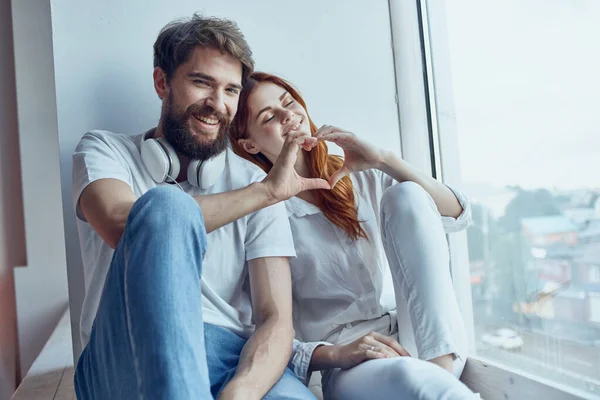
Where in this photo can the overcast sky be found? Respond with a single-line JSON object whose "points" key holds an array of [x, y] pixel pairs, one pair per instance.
{"points": [[526, 77]]}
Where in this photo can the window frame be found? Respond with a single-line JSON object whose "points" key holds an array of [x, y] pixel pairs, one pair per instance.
{"points": [[429, 141], [419, 104]]}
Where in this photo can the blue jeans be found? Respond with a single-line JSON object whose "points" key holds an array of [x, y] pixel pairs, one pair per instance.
{"points": [[148, 338], [223, 354]]}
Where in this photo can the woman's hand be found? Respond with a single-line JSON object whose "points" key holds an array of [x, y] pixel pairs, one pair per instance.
{"points": [[358, 154], [369, 347]]}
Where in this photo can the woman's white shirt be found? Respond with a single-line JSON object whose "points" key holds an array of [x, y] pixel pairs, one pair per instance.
{"points": [[338, 281]]}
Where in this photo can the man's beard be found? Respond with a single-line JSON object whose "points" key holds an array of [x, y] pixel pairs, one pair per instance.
{"points": [[177, 131]]}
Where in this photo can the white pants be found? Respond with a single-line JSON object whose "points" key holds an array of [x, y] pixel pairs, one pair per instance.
{"points": [[428, 321]]}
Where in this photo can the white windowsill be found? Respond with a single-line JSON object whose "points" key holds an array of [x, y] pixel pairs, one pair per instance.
{"points": [[498, 382]]}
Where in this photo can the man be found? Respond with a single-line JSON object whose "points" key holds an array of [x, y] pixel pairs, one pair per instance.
{"points": [[172, 312]]}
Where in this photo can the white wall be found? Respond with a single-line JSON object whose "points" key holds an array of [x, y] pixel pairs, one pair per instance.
{"points": [[41, 286], [338, 53]]}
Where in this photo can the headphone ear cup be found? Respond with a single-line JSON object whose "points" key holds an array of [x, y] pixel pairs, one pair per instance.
{"points": [[193, 172], [175, 167], [206, 173], [160, 160]]}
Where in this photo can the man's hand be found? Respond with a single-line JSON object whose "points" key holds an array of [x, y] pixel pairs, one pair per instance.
{"points": [[358, 154], [369, 347], [282, 181]]}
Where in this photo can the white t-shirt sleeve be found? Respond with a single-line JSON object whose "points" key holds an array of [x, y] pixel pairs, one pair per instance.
{"points": [[96, 157], [268, 232]]}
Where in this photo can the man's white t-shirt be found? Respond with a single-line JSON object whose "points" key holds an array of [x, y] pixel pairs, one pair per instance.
{"points": [[225, 286]]}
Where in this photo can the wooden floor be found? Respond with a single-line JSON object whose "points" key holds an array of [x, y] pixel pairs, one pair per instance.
{"points": [[51, 375]]}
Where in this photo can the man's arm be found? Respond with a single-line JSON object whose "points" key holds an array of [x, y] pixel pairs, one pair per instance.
{"points": [[106, 203], [267, 352]]}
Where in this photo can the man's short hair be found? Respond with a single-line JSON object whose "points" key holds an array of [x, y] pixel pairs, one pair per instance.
{"points": [[178, 39]]}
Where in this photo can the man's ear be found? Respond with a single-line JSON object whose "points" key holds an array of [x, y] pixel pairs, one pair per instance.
{"points": [[249, 146], [160, 83]]}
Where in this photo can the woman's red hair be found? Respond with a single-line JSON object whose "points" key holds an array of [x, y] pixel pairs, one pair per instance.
{"points": [[337, 204]]}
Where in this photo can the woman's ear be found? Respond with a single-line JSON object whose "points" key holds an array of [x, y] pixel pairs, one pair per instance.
{"points": [[249, 146]]}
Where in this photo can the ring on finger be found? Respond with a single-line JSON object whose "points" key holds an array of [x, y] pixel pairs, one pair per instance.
{"points": [[372, 348]]}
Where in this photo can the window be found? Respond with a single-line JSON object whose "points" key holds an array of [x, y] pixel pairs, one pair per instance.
{"points": [[524, 83]]}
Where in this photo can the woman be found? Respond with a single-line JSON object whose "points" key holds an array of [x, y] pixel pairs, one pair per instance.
{"points": [[377, 232]]}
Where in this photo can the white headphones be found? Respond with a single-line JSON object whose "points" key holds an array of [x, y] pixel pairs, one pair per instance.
{"points": [[162, 162]]}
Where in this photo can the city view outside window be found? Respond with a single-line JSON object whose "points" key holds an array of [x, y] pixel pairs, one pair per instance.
{"points": [[526, 85]]}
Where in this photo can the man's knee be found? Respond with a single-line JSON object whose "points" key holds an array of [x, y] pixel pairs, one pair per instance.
{"points": [[164, 207]]}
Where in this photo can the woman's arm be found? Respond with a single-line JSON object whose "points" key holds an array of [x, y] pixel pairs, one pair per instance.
{"points": [[360, 155]]}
